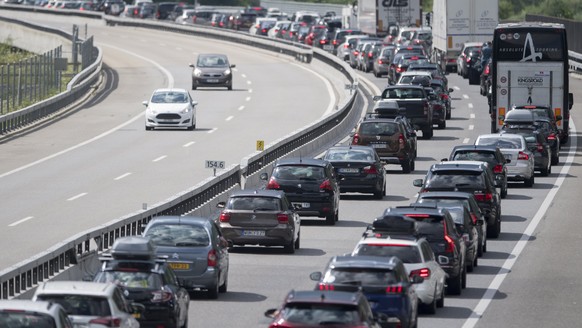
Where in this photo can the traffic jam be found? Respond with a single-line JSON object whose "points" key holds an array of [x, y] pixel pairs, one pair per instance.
{"points": [[409, 260]]}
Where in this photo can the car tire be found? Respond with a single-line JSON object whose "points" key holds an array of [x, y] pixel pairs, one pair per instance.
{"points": [[448, 115], [476, 262], [289, 248], [191, 127], [485, 246], [546, 171], [406, 167], [441, 301], [376, 74], [443, 125], [480, 248], [330, 219], [530, 182], [431, 307], [224, 287], [464, 278], [379, 194], [149, 128], [503, 193], [556, 159], [229, 87], [298, 241], [185, 325], [470, 266], [455, 285], [427, 133], [212, 292]]}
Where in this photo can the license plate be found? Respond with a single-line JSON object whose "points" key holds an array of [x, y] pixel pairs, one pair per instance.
{"points": [[302, 205], [180, 266], [348, 170], [328, 47], [136, 315], [383, 145], [507, 156], [259, 233], [212, 80]]}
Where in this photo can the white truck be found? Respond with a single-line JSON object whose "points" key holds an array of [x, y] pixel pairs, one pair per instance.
{"points": [[380, 17], [455, 22]]}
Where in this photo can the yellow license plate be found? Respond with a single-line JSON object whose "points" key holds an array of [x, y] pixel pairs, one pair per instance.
{"points": [[137, 315], [180, 266]]}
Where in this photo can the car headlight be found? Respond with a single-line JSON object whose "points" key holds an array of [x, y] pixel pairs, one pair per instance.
{"points": [[185, 110], [227, 71], [152, 111], [197, 72]]}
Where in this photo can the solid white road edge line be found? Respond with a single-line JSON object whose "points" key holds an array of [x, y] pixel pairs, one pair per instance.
{"points": [[512, 258], [20, 221]]}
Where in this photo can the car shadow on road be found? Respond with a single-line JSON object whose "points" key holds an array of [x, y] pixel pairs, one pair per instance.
{"points": [[512, 236], [492, 255], [342, 223], [477, 293], [458, 118], [278, 251], [511, 196], [449, 312], [229, 296], [446, 138], [513, 218], [220, 89]]}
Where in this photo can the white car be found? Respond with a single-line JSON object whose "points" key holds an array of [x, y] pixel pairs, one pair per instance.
{"points": [[31, 314], [91, 304], [418, 259], [520, 165], [278, 26], [170, 108]]}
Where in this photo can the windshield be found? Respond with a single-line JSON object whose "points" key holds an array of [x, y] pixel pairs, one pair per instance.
{"points": [[169, 97], [131, 279], [473, 155], [213, 61], [315, 314], [455, 179], [253, 203], [184, 235], [501, 143]]}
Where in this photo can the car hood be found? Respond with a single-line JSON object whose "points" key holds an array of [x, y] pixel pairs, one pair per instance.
{"points": [[167, 108]]}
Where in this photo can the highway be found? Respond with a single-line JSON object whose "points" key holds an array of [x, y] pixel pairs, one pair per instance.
{"points": [[528, 278]]}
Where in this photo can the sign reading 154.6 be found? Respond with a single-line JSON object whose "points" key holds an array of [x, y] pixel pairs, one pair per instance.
{"points": [[215, 164], [394, 3]]}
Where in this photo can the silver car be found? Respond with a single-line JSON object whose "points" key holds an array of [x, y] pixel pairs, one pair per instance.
{"points": [[170, 108], [520, 166], [212, 70], [33, 314], [196, 250]]}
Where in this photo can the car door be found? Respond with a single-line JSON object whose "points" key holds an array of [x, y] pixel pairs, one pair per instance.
{"points": [[182, 296]]}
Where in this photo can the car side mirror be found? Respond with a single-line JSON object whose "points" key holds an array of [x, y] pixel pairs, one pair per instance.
{"points": [[451, 89], [145, 103], [375, 98], [444, 159], [221, 204], [270, 313], [558, 118], [315, 276], [232, 66], [264, 176], [417, 182], [191, 65], [194, 103]]}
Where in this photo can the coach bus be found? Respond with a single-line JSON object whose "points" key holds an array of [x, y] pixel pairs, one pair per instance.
{"points": [[530, 67]]}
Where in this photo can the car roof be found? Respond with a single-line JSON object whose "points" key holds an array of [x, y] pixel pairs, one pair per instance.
{"points": [[302, 161], [501, 135], [27, 305], [171, 90], [365, 261], [459, 165], [320, 296], [475, 147], [352, 147], [176, 219], [524, 115], [416, 73], [473, 44], [430, 209], [258, 192], [76, 288], [387, 239]]}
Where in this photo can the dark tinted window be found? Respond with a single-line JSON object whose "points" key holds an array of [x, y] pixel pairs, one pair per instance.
{"points": [[501, 143], [408, 254], [80, 304], [349, 155], [26, 320], [131, 279], [299, 172], [378, 128], [361, 276], [315, 313], [430, 227], [178, 235], [254, 203], [475, 155], [455, 178]]}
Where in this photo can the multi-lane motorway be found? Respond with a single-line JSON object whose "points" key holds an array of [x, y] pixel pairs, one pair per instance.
{"points": [[98, 164]]}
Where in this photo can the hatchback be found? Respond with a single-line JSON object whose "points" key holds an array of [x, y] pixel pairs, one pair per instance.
{"points": [[383, 60], [170, 108], [359, 169], [33, 314], [196, 249], [212, 70], [260, 217]]}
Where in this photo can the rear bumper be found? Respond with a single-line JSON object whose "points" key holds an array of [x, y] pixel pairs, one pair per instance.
{"points": [[279, 236]]}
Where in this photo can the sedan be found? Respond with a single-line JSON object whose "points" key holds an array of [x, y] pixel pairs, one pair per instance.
{"points": [[359, 169], [212, 70], [260, 217], [170, 108], [196, 250]]}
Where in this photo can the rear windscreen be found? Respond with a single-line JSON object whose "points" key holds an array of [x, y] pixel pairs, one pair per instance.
{"points": [[455, 179], [432, 228], [378, 128], [185, 235], [299, 172], [408, 254], [474, 155], [316, 313], [349, 155], [247, 203], [80, 304], [23, 319], [360, 277], [501, 143]]}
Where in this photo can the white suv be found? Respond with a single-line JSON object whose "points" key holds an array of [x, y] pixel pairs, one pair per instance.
{"points": [[418, 259], [92, 304], [30, 314]]}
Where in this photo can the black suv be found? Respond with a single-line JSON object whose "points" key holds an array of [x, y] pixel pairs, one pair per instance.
{"points": [[438, 227], [145, 278], [489, 154], [384, 281], [310, 184], [468, 176], [394, 139]]}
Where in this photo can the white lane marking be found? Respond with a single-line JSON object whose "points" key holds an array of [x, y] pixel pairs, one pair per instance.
{"points": [[470, 105], [77, 196], [466, 140], [102, 135], [189, 144], [466, 96], [159, 158], [250, 90], [471, 127], [330, 92], [471, 115], [229, 118], [213, 129], [248, 99], [456, 88], [519, 247], [241, 108], [123, 176], [243, 75], [249, 82], [20, 221]]}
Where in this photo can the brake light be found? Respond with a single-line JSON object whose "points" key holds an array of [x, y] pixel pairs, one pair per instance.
{"points": [[323, 286], [224, 217], [370, 55], [401, 140], [346, 46], [380, 61], [159, 296], [283, 218], [325, 186], [211, 258], [355, 139], [498, 168], [523, 156], [334, 42], [424, 273], [264, 30], [394, 290], [426, 108], [322, 41], [450, 248], [106, 321], [486, 197], [273, 184], [418, 216], [444, 96], [540, 148], [487, 70], [370, 169], [551, 137], [468, 60], [474, 218], [399, 69]]}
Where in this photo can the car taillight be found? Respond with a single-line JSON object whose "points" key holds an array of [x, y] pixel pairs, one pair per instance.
{"points": [[322, 41], [401, 140], [552, 137], [540, 148], [498, 168], [370, 55], [323, 286], [444, 96], [346, 46], [399, 69], [356, 53], [107, 322], [523, 156], [211, 258], [355, 139], [334, 42], [159, 296], [264, 30], [426, 107], [380, 61], [283, 218], [370, 169], [273, 184], [224, 217], [325, 186], [394, 290], [450, 247], [486, 197], [424, 273], [474, 218], [468, 60], [486, 70]]}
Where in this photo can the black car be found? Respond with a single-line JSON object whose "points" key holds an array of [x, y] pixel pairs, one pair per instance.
{"points": [[435, 70], [444, 94], [546, 120], [400, 64], [145, 278], [438, 227], [489, 154], [468, 230], [384, 281], [468, 176], [310, 184], [165, 10], [455, 198]]}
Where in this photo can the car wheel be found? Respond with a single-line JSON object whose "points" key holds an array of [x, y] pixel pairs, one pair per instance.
{"points": [[556, 159], [298, 241], [337, 215], [448, 115], [223, 288], [330, 219], [376, 74], [454, 285], [149, 128], [431, 307], [546, 171], [530, 182], [504, 191], [185, 325], [470, 266], [480, 248], [289, 248], [442, 125], [229, 87], [406, 167], [379, 194], [476, 262], [441, 300], [412, 165], [464, 279], [192, 127], [485, 246], [493, 231], [427, 133], [213, 291]]}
